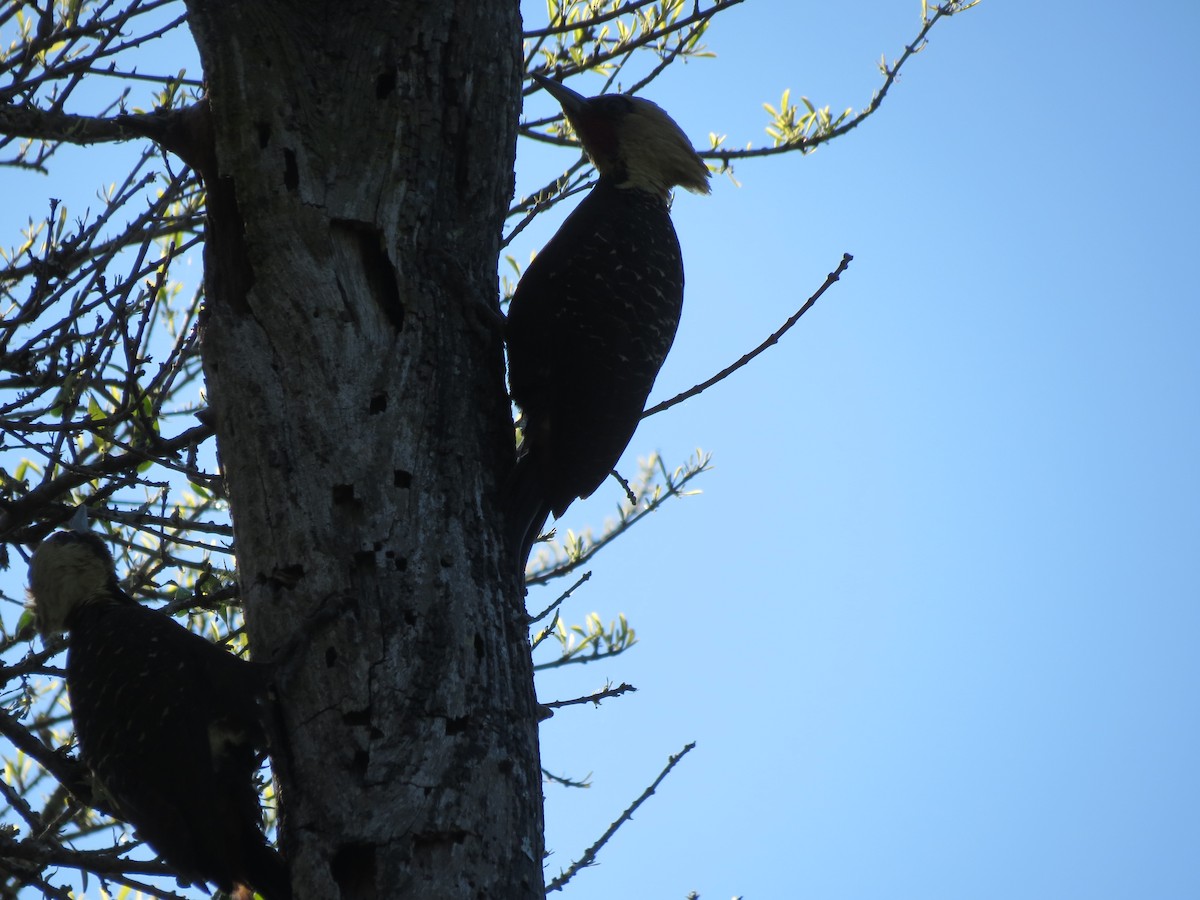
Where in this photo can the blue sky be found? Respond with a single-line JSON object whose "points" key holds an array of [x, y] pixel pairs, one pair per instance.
{"points": [[933, 621]]}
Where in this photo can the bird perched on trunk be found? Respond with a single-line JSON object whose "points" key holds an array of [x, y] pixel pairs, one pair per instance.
{"points": [[596, 311], [167, 722]]}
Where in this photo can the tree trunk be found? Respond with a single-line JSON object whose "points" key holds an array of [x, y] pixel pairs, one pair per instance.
{"points": [[355, 373]]}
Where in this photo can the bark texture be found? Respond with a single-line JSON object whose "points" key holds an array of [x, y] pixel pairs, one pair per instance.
{"points": [[355, 372]]}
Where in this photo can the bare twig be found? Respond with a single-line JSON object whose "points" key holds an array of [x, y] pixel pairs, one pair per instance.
{"points": [[566, 782], [595, 698], [586, 576], [769, 342], [589, 856]]}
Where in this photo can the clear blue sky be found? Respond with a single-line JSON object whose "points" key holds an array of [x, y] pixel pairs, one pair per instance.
{"points": [[933, 622]]}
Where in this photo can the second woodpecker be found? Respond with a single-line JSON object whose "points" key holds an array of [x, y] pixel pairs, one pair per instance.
{"points": [[595, 313], [168, 723]]}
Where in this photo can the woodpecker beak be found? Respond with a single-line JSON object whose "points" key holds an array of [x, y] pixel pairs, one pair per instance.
{"points": [[573, 104], [79, 520]]}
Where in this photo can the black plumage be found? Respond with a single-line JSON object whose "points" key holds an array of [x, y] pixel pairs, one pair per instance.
{"points": [[595, 313], [168, 723]]}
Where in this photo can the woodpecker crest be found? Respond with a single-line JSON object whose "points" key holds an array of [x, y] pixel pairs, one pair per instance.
{"points": [[632, 141], [68, 570], [595, 313]]}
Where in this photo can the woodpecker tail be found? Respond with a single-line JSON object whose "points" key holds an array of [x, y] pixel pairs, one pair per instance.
{"points": [[526, 506]]}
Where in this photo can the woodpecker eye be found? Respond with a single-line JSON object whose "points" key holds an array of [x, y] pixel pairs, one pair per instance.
{"points": [[614, 105]]}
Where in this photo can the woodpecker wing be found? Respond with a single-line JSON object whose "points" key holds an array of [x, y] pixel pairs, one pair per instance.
{"points": [[168, 723], [589, 326]]}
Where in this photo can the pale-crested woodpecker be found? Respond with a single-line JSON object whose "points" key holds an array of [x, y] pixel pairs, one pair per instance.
{"points": [[596, 311], [168, 723]]}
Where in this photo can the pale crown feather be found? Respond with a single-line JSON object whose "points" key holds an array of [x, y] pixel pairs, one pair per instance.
{"points": [[63, 576], [657, 154]]}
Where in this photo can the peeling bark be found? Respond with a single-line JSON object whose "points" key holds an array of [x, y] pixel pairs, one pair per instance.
{"points": [[358, 394]]}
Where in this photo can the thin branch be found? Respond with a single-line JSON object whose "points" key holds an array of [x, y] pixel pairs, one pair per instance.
{"points": [[564, 781], [589, 856], [17, 802], [586, 576], [31, 879], [70, 774], [12, 515], [629, 518], [107, 864], [891, 73], [598, 19], [595, 698], [683, 46], [551, 194], [544, 633], [769, 342], [595, 60], [578, 659]]}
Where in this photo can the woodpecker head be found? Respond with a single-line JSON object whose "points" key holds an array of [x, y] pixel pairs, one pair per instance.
{"points": [[631, 140], [68, 569]]}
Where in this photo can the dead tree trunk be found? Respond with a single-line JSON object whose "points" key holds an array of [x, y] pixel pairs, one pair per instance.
{"points": [[354, 364]]}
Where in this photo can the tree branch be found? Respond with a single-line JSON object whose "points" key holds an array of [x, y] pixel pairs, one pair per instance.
{"points": [[805, 144], [47, 125], [586, 576], [598, 59], [598, 19], [589, 856], [70, 773], [769, 342], [629, 517], [595, 698], [14, 515]]}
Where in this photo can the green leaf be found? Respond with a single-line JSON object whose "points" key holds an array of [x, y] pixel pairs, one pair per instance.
{"points": [[25, 622]]}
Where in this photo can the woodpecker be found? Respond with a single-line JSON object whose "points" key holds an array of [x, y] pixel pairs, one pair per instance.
{"points": [[595, 313], [167, 722]]}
